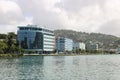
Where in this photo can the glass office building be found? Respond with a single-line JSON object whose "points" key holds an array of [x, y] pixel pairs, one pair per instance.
{"points": [[34, 38], [64, 44]]}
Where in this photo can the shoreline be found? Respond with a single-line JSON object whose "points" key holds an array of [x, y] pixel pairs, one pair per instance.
{"points": [[9, 55], [65, 54], [51, 54]]}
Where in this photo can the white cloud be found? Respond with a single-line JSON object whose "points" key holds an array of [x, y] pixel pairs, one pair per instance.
{"points": [[11, 15], [110, 27], [80, 15], [92, 15]]}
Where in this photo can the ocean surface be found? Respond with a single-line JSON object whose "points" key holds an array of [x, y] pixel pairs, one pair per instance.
{"points": [[83, 67]]}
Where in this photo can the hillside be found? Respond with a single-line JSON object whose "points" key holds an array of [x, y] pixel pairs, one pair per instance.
{"points": [[104, 41]]}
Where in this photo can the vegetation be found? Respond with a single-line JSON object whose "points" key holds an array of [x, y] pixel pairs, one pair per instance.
{"points": [[3, 47], [10, 55], [3, 36], [8, 44], [104, 41]]}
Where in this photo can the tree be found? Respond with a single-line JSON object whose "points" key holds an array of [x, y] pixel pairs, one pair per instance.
{"points": [[3, 36], [3, 47], [55, 50], [14, 36], [9, 44]]}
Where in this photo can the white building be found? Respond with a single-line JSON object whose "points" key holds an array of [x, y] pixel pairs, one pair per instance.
{"points": [[82, 46], [78, 45]]}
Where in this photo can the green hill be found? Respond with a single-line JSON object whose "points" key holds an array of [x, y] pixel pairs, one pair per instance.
{"points": [[104, 41]]}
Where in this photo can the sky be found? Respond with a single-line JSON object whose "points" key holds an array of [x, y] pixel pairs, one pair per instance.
{"points": [[98, 16]]}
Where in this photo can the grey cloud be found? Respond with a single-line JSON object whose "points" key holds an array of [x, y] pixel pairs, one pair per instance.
{"points": [[41, 16], [10, 16], [8, 28], [76, 5], [111, 27], [48, 18], [66, 14]]}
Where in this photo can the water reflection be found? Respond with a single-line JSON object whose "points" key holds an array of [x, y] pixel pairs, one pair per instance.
{"points": [[30, 66], [90, 67], [7, 66]]}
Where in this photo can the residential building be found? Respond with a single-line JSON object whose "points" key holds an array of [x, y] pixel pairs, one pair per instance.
{"points": [[81, 45], [91, 46], [78, 45], [64, 44], [118, 50], [35, 38]]}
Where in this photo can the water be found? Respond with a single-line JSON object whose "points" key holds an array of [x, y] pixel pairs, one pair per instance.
{"points": [[84, 67]]}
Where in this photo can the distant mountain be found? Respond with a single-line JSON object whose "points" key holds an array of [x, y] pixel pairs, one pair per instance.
{"points": [[104, 41]]}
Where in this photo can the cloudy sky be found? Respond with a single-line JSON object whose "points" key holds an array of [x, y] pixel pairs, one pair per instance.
{"points": [[81, 15]]}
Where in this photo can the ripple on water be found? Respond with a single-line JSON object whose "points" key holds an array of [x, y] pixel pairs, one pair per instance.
{"points": [[89, 67]]}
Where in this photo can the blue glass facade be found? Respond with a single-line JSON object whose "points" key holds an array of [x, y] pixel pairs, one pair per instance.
{"points": [[30, 40], [60, 44], [68, 44], [64, 44], [32, 37]]}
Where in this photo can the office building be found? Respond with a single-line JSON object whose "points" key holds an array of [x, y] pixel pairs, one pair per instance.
{"points": [[64, 44], [35, 38]]}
